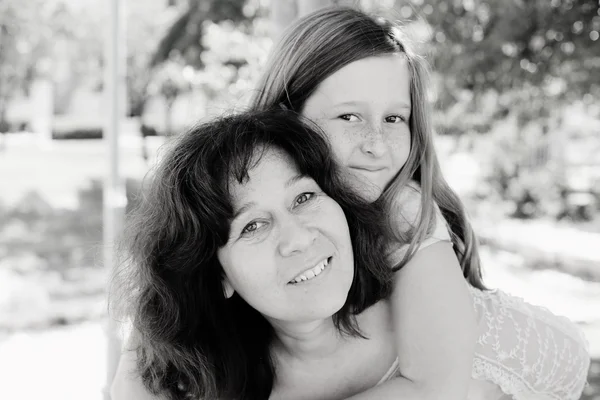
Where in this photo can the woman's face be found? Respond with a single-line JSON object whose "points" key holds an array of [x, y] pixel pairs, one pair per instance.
{"points": [[289, 254], [364, 108]]}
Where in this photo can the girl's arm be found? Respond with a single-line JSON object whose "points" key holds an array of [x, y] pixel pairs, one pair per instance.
{"points": [[434, 322]]}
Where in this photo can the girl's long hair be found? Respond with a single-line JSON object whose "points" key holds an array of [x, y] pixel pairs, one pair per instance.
{"points": [[193, 342], [321, 43]]}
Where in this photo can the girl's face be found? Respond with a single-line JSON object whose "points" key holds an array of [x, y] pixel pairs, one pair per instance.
{"points": [[289, 254], [364, 108]]}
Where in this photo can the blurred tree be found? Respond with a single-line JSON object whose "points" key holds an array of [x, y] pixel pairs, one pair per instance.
{"points": [[75, 48], [283, 12], [533, 53], [171, 82], [179, 32], [19, 39], [55, 39], [526, 59], [147, 22], [184, 38]]}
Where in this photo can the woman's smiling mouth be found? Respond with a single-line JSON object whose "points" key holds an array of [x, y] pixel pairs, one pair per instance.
{"points": [[311, 273]]}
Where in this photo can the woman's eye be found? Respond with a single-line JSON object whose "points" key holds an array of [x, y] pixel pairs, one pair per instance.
{"points": [[252, 227], [395, 119], [349, 117], [304, 197]]}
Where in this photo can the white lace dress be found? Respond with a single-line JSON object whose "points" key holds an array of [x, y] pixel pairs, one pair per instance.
{"points": [[524, 352]]}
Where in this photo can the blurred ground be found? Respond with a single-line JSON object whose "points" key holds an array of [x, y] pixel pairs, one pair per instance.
{"points": [[61, 353], [69, 363]]}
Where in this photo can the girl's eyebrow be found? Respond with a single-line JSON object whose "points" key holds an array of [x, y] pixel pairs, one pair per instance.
{"points": [[349, 103], [400, 104]]}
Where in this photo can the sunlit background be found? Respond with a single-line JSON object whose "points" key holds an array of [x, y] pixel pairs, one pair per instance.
{"points": [[516, 86]]}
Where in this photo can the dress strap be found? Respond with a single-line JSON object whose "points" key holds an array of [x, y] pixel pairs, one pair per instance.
{"points": [[390, 372]]}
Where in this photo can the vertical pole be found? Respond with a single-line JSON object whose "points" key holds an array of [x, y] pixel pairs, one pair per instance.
{"points": [[114, 199], [284, 12], [42, 98]]}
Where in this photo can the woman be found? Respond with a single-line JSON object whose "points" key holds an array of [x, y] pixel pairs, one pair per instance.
{"points": [[243, 282]]}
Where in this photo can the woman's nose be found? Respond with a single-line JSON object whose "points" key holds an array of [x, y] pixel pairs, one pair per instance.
{"points": [[295, 236]]}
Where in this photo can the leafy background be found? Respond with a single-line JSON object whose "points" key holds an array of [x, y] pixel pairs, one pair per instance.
{"points": [[515, 87]]}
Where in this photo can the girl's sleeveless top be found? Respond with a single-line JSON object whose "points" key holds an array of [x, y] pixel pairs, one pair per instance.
{"points": [[524, 352]]}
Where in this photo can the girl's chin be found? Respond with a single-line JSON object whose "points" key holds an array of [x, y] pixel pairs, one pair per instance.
{"points": [[368, 191], [364, 187]]}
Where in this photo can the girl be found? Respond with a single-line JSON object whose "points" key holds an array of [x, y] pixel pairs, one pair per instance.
{"points": [[356, 78]]}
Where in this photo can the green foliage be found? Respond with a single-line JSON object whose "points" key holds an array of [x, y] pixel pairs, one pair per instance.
{"points": [[178, 38], [39, 39], [536, 55], [499, 44], [20, 38], [185, 37], [59, 235], [51, 260], [519, 170]]}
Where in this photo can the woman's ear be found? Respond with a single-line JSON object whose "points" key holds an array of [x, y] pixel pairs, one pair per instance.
{"points": [[227, 288]]}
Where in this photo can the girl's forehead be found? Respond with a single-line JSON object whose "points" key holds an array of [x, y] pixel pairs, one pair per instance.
{"points": [[372, 79], [369, 68]]}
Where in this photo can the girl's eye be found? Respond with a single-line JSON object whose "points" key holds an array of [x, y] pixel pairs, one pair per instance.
{"points": [[395, 119], [252, 227], [304, 197], [349, 117]]}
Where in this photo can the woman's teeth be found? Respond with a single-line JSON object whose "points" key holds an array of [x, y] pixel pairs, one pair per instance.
{"points": [[311, 273]]}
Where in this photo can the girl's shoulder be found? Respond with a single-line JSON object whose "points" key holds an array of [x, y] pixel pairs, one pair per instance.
{"points": [[405, 217], [405, 207], [406, 211]]}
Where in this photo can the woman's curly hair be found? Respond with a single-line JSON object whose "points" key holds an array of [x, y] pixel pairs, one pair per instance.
{"points": [[193, 342]]}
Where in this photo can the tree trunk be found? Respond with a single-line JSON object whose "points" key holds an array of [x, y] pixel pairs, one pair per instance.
{"points": [[308, 6], [283, 12]]}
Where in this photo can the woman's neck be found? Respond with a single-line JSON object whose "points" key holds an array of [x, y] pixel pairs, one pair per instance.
{"points": [[309, 341]]}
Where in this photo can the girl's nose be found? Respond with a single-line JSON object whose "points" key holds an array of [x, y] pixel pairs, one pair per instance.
{"points": [[373, 143]]}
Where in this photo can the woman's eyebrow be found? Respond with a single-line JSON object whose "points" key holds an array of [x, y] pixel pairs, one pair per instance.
{"points": [[244, 208], [249, 205], [295, 179]]}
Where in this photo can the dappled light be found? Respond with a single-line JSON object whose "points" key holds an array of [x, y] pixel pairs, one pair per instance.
{"points": [[515, 90]]}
